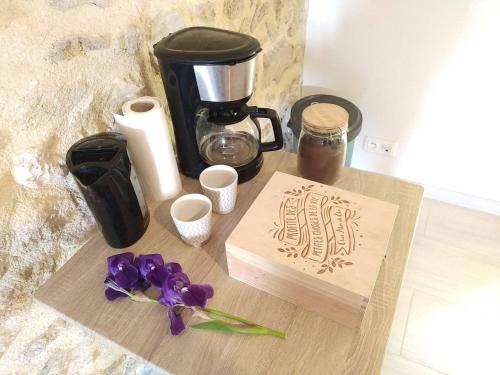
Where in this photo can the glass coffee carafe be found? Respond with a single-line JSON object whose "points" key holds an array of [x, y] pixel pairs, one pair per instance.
{"points": [[233, 137]]}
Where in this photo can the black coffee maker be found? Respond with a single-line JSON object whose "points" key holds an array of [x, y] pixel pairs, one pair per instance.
{"points": [[107, 180], [208, 75]]}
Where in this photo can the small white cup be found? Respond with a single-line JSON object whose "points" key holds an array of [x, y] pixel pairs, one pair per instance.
{"points": [[219, 183], [192, 215]]}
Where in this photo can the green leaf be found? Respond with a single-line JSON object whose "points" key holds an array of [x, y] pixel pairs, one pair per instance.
{"points": [[218, 325], [227, 315]]}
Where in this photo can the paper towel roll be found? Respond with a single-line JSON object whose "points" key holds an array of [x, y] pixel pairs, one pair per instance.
{"points": [[148, 141]]}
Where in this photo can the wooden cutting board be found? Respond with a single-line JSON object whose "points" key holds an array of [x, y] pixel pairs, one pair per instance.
{"points": [[315, 245]]}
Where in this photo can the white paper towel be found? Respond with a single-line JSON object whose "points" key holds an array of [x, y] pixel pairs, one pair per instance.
{"points": [[148, 141]]}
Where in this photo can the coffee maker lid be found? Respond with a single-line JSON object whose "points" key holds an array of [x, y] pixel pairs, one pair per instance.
{"points": [[206, 45]]}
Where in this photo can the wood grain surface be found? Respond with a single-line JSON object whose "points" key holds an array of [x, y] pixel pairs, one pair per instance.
{"points": [[317, 246], [315, 345]]}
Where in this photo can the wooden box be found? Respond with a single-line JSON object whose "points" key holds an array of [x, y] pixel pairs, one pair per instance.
{"points": [[314, 245]]}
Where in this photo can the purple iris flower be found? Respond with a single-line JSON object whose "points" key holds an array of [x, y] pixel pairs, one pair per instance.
{"points": [[176, 281], [152, 269], [178, 290], [176, 322], [197, 295], [177, 293], [172, 268], [121, 267], [126, 274], [123, 271]]}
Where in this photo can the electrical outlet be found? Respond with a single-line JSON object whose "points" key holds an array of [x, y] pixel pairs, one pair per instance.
{"points": [[381, 146]]}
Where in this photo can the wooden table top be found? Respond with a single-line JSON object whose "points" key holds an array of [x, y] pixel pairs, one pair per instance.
{"points": [[314, 345]]}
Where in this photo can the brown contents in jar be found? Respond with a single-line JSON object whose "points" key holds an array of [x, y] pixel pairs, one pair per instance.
{"points": [[320, 163], [322, 142]]}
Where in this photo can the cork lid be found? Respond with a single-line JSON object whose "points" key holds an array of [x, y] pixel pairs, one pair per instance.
{"points": [[325, 117]]}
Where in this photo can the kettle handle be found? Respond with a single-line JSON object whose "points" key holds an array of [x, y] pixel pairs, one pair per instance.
{"points": [[271, 114]]}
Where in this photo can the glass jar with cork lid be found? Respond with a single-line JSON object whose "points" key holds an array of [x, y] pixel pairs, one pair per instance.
{"points": [[322, 142]]}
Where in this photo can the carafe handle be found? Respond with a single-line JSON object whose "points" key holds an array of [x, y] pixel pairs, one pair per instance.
{"points": [[271, 114]]}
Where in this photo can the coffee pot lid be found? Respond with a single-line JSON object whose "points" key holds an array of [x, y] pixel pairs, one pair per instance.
{"points": [[206, 45], [325, 117]]}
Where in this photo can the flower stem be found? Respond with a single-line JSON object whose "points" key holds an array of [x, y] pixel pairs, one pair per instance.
{"points": [[219, 325], [137, 297], [227, 315], [140, 297], [247, 327]]}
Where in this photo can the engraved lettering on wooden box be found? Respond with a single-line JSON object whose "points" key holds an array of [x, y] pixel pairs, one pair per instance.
{"points": [[323, 239]]}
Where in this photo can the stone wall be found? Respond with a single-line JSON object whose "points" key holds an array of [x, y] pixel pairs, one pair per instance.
{"points": [[65, 66]]}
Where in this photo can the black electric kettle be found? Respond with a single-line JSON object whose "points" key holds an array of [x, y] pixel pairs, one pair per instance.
{"points": [[108, 182]]}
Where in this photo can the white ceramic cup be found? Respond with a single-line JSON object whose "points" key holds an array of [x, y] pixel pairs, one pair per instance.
{"points": [[219, 183], [192, 215]]}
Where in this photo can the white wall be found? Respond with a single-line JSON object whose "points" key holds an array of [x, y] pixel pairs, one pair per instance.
{"points": [[425, 73]]}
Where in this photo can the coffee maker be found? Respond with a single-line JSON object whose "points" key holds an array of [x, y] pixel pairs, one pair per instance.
{"points": [[208, 75]]}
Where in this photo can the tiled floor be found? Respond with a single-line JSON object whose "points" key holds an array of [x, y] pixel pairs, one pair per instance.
{"points": [[448, 315]]}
